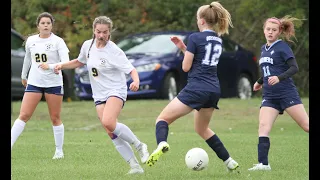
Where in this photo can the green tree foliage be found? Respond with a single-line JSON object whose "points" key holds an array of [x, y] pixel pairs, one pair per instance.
{"points": [[74, 21]]}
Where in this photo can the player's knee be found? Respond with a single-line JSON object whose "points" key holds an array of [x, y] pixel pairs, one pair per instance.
{"points": [[200, 130], [264, 129], [55, 118], [24, 116], [109, 123]]}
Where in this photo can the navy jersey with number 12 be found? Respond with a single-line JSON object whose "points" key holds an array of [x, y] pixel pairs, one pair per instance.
{"points": [[207, 48]]}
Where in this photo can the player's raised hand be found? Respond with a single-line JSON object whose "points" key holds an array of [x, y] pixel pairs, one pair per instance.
{"points": [[178, 42], [257, 86], [134, 86]]}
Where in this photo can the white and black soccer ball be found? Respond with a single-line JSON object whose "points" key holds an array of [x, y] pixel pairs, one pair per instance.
{"points": [[197, 159]]}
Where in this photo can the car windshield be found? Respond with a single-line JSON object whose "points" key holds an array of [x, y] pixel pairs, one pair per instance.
{"points": [[149, 44]]}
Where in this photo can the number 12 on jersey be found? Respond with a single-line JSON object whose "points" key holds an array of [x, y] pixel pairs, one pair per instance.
{"points": [[217, 50]]}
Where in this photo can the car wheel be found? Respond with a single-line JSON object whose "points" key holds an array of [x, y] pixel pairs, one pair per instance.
{"points": [[244, 87], [169, 89]]}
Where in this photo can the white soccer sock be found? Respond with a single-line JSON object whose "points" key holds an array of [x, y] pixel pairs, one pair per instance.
{"points": [[125, 133], [58, 132], [16, 130], [133, 162], [123, 148]]}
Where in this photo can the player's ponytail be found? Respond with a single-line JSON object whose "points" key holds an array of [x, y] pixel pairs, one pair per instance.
{"points": [[216, 16]]}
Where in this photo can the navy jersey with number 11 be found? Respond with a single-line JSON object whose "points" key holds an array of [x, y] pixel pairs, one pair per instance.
{"points": [[273, 63], [206, 47]]}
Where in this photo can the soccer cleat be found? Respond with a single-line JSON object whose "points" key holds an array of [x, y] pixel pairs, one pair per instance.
{"points": [[58, 155], [143, 152], [232, 165], [163, 147], [260, 167], [136, 170]]}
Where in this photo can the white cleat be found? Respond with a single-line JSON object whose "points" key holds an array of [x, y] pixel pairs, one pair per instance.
{"points": [[58, 155], [232, 165], [143, 152], [260, 167], [136, 170]]}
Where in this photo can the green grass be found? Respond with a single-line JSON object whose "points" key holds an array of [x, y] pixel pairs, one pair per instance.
{"points": [[90, 154]]}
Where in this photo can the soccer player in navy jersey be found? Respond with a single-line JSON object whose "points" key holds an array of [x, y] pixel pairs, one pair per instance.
{"points": [[278, 65], [202, 92]]}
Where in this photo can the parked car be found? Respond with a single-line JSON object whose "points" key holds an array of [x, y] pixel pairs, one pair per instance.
{"points": [[159, 64], [17, 57]]}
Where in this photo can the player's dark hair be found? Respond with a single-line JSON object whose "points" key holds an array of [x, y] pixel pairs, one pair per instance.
{"points": [[45, 14]]}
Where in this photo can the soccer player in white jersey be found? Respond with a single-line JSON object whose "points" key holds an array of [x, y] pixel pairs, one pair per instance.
{"points": [[107, 65], [43, 49]]}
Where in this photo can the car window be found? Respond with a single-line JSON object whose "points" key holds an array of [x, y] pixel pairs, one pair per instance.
{"points": [[149, 44], [16, 42], [229, 46]]}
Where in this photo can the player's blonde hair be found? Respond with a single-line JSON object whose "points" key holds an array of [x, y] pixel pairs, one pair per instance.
{"points": [[100, 20], [216, 16], [286, 26]]}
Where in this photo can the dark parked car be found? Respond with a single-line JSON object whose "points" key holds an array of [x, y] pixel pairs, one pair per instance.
{"points": [[17, 57], [159, 64]]}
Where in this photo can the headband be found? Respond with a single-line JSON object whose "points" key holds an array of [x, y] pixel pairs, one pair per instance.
{"points": [[274, 20]]}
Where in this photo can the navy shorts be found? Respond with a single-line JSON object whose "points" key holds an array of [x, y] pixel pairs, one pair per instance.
{"points": [[103, 102], [57, 90], [199, 99], [281, 104]]}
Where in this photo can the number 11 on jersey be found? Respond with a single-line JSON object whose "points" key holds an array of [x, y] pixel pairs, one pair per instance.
{"points": [[266, 71]]}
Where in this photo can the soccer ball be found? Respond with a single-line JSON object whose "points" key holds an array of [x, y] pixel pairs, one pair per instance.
{"points": [[197, 159]]}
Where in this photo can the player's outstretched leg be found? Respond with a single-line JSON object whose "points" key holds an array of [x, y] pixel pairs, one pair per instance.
{"points": [[162, 129]]}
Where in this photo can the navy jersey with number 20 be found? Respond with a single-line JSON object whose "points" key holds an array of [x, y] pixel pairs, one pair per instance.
{"points": [[207, 48]]}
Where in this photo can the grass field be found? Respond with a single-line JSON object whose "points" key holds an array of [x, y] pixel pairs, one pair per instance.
{"points": [[90, 154]]}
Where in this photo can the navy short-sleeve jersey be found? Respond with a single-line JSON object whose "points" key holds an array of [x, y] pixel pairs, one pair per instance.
{"points": [[206, 47], [273, 63]]}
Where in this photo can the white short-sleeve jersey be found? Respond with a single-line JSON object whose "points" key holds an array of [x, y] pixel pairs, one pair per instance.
{"points": [[107, 67], [49, 50]]}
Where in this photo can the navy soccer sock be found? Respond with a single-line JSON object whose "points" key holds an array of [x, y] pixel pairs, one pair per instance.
{"points": [[263, 150], [162, 130], [218, 147]]}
